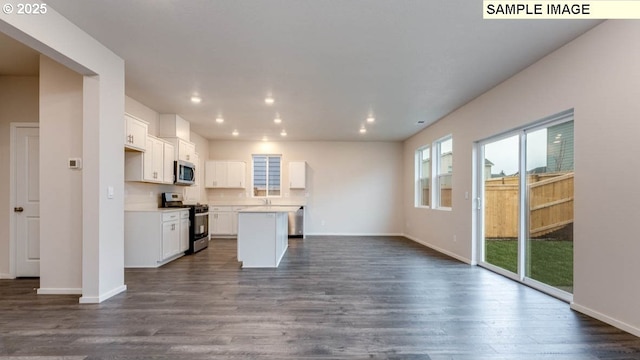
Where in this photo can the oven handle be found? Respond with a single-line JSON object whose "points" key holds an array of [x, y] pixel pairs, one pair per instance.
{"points": [[202, 214]]}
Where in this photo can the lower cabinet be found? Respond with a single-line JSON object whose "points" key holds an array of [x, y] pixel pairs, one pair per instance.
{"points": [[154, 238], [223, 221], [184, 231]]}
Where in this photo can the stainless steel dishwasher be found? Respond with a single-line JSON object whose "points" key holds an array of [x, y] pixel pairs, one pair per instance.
{"points": [[296, 223]]}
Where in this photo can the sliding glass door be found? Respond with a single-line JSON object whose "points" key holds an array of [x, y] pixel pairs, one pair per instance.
{"points": [[525, 205], [549, 184], [501, 192]]}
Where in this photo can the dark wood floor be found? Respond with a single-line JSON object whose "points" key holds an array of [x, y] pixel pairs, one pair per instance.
{"points": [[331, 298]]}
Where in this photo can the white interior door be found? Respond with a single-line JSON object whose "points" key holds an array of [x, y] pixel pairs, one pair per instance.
{"points": [[27, 201]]}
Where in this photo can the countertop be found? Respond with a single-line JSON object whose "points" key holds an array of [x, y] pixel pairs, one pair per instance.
{"points": [[150, 209], [269, 209]]}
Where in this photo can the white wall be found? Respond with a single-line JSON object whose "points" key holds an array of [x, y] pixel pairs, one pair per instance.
{"points": [[147, 195], [353, 187], [598, 76], [102, 139], [61, 187], [18, 103]]}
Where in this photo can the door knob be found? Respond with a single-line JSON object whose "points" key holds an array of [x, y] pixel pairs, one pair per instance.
{"points": [[18, 209]]}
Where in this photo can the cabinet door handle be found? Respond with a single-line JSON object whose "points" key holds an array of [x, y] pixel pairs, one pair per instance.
{"points": [[18, 209]]}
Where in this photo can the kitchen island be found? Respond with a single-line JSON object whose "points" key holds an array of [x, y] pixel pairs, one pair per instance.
{"points": [[263, 235]]}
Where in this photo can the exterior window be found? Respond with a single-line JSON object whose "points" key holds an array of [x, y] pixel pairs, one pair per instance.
{"points": [[423, 176], [266, 175], [444, 171]]}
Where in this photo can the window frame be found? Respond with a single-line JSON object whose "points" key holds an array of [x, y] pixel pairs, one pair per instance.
{"points": [[438, 174], [267, 176], [419, 166]]}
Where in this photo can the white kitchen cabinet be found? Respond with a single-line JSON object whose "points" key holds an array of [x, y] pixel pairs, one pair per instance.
{"points": [[222, 221], [184, 150], [236, 172], [262, 236], [184, 231], [297, 175], [153, 238], [154, 165], [170, 238], [135, 133], [168, 159], [215, 174], [154, 160], [225, 174]]}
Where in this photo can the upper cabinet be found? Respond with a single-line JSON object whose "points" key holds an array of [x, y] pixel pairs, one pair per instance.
{"points": [[184, 150], [154, 165], [225, 174], [177, 131], [297, 175], [135, 133]]}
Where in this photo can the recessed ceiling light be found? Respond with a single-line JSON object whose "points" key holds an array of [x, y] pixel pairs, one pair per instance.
{"points": [[235, 133], [371, 119], [283, 133], [219, 120], [277, 119], [196, 99], [363, 130], [269, 100]]}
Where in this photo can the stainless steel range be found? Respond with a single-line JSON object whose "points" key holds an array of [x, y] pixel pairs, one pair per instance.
{"points": [[198, 221]]}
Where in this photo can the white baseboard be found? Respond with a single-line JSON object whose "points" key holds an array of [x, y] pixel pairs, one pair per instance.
{"points": [[353, 234], [607, 319], [6, 276], [440, 250], [59, 291], [103, 297]]}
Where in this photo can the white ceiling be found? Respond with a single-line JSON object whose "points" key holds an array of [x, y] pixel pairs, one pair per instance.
{"points": [[328, 64]]}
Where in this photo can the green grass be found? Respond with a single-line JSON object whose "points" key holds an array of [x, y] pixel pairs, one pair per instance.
{"points": [[551, 262]]}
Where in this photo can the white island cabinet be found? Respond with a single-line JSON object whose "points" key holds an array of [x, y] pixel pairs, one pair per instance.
{"points": [[263, 235]]}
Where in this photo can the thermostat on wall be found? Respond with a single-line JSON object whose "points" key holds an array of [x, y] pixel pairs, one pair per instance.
{"points": [[75, 163]]}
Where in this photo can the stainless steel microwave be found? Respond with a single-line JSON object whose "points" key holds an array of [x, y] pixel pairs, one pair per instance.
{"points": [[184, 173]]}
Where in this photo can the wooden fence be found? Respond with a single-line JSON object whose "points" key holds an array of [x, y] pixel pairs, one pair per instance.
{"points": [[550, 204]]}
